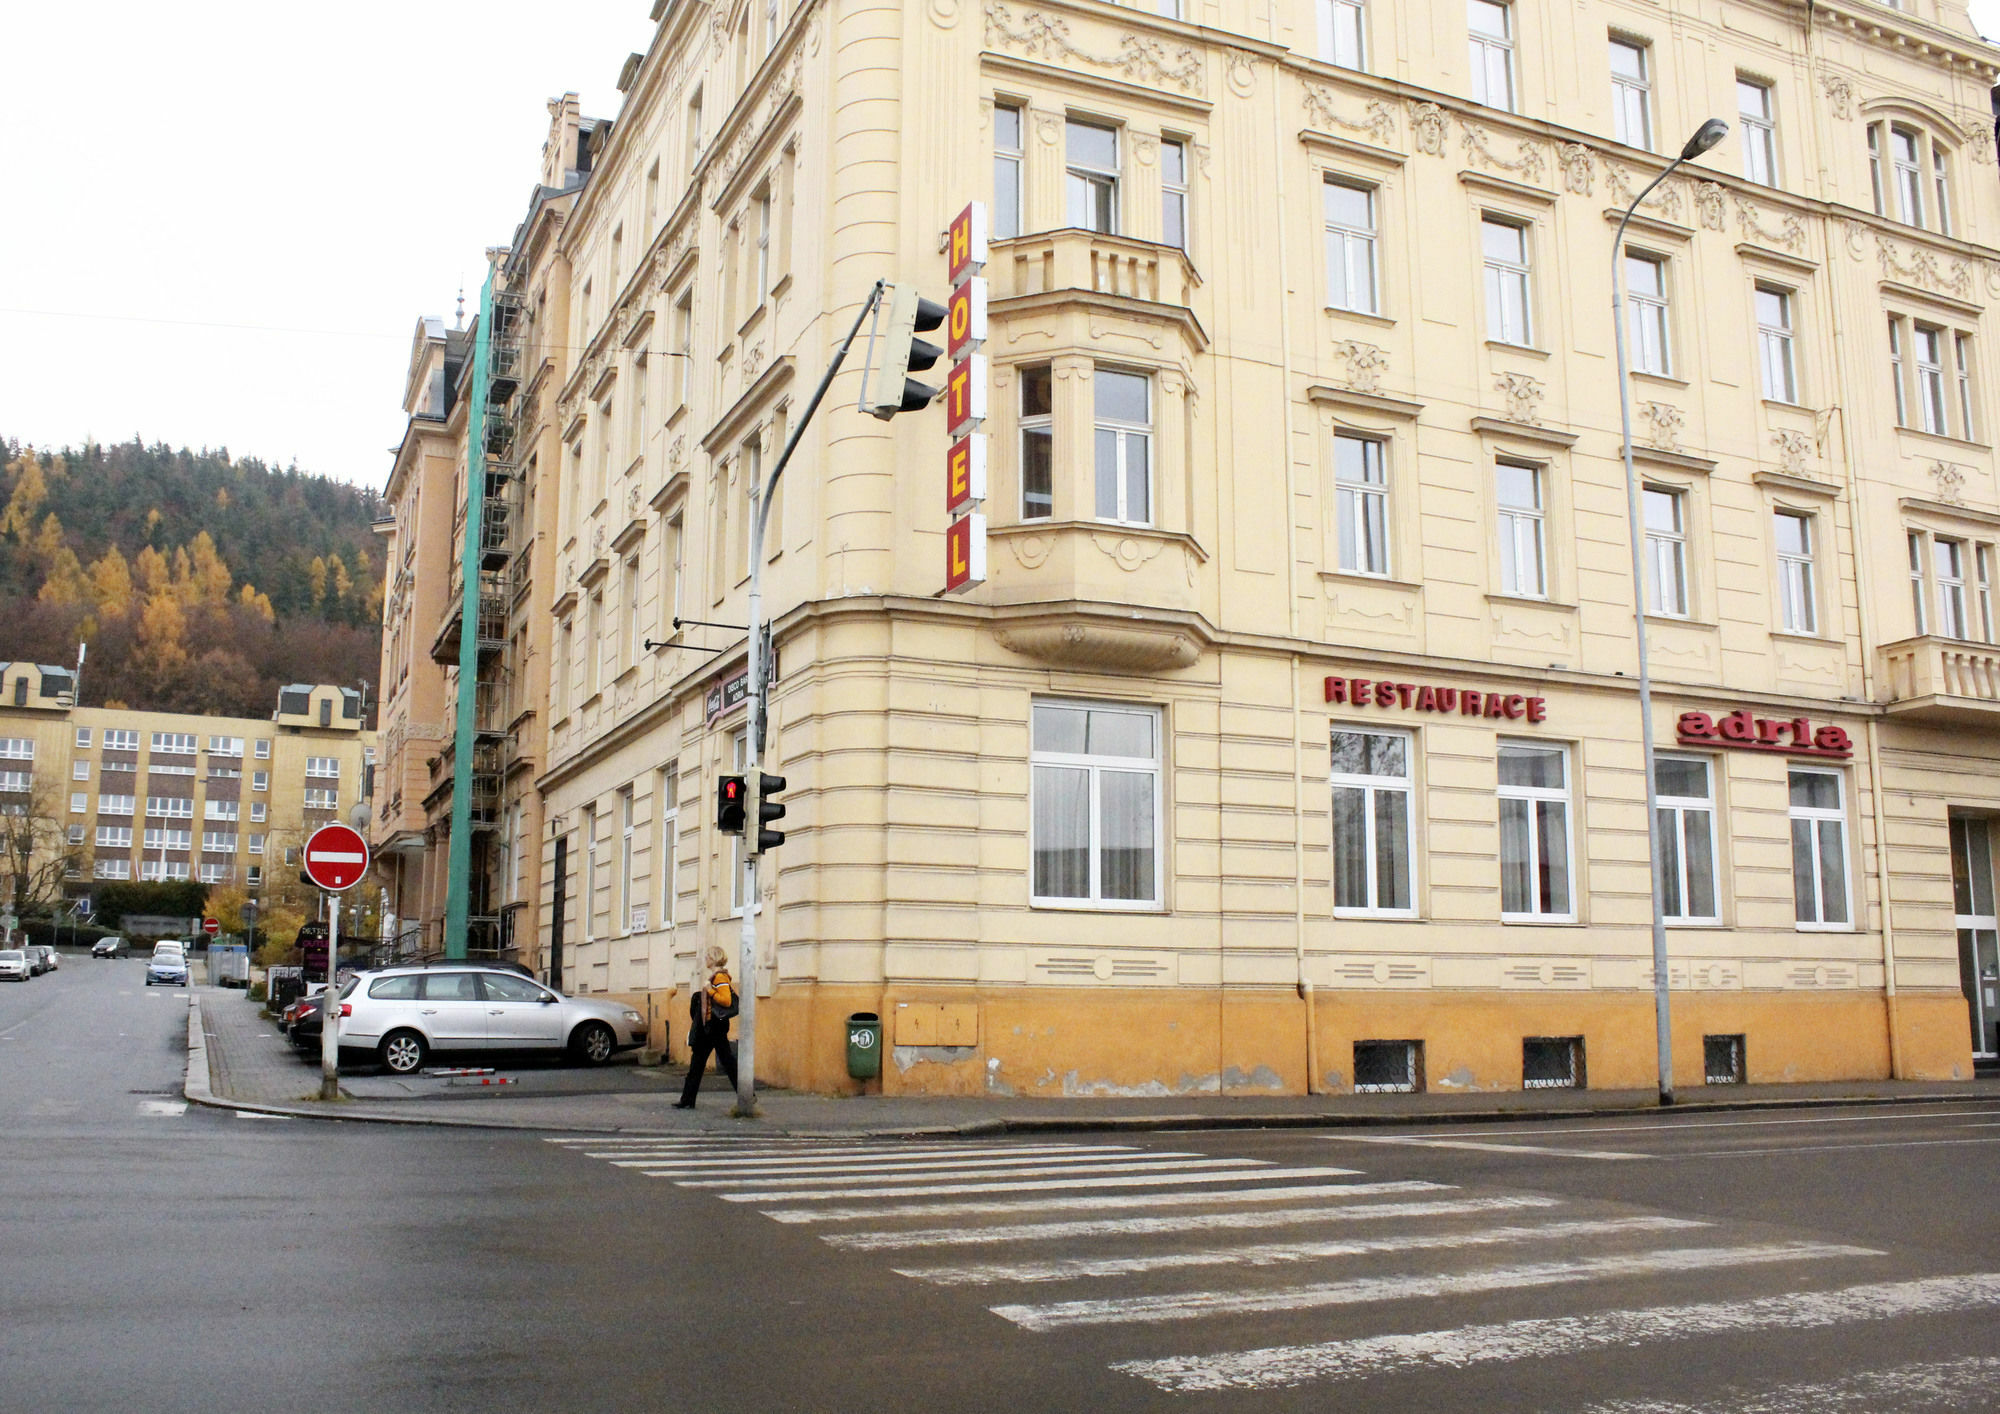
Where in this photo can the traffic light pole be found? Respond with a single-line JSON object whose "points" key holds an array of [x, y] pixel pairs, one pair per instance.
{"points": [[746, 956]]}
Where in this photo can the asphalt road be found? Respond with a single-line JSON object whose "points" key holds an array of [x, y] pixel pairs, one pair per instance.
{"points": [[160, 1258]]}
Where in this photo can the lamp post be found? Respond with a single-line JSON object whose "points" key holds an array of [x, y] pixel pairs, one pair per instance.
{"points": [[1705, 137]]}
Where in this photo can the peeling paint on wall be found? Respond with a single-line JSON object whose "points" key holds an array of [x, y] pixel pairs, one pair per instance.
{"points": [[907, 1056], [994, 1084], [1460, 1079]]}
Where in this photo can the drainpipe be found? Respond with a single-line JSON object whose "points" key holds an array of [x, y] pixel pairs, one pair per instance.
{"points": [[1299, 886]]}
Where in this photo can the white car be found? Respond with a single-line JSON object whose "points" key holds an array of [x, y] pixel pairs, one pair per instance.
{"points": [[14, 965], [402, 1014]]}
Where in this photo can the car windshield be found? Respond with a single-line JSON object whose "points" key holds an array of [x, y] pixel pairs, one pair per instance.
{"points": [[13, 955]]}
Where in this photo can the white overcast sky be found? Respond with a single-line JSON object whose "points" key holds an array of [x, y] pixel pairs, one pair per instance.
{"points": [[220, 219], [226, 215]]}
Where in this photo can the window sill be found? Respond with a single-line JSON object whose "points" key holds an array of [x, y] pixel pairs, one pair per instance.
{"points": [[1946, 438], [1665, 380], [1363, 915], [1363, 577], [1677, 621], [1380, 321], [1082, 906], [755, 317], [1781, 405], [1794, 636], [1496, 597], [1824, 928], [1696, 925], [1526, 350], [1511, 920]]}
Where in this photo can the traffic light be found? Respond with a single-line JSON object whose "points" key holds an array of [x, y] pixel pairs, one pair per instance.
{"points": [[729, 805], [892, 390], [768, 809]]}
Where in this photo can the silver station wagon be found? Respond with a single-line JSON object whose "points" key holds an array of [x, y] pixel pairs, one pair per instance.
{"points": [[401, 1015]]}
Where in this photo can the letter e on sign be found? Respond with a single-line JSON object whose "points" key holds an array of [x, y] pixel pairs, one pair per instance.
{"points": [[965, 473]]}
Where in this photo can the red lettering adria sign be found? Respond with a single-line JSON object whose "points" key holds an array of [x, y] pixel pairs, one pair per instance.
{"points": [[1795, 736], [1421, 697]]}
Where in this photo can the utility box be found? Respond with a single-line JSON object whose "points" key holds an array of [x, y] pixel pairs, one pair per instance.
{"points": [[864, 1045], [228, 965]]}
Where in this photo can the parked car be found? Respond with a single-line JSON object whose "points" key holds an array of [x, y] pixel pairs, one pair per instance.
{"points": [[14, 965], [172, 945], [401, 1015], [302, 1022], [51, 959], [170, 968], [107, 946], [37, 963]]}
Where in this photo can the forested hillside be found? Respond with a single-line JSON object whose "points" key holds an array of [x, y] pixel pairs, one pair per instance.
{"points": [[200, 583]]}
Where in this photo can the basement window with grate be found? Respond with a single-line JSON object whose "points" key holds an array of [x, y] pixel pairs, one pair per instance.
{"points": [[1722, 1060], [1388, 1067], [1552, 1063]]}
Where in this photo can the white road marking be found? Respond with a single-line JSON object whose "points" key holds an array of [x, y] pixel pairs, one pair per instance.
{"points": [[251, 1114], [1164, 1171], [781, 1163], [1487, 1148], [1181, 1222], [162, 1107], [1272, 1254], [1123, 1202], [752, 1151], [1192, 1305], [1148, 1180], [867, 1170], [1908, 1389], [1281, 1367], [1778, 1153], [1674, 1126]]}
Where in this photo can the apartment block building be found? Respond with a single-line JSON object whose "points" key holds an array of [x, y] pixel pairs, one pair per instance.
{"points": [[177, 796], [1291, 740]]}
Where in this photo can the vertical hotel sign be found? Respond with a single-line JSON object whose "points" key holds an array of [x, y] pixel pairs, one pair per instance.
{"points": [[965, 405]]}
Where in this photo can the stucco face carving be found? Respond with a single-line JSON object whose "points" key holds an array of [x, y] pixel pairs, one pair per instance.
{"points": [[1950, 481], [1665, 422], [1523, 395]]}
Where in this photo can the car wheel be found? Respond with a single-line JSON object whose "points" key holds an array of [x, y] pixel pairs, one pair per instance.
{"points": [[402, 1052], [592, 1043]]}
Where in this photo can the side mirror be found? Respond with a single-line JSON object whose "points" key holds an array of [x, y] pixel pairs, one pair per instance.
{"points": [[548, 999]]}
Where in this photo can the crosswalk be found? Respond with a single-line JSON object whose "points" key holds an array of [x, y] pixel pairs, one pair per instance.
{"points": [[1155, 1242]]}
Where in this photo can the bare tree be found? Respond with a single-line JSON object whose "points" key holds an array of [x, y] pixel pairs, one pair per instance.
{"points": [[36, 855]]}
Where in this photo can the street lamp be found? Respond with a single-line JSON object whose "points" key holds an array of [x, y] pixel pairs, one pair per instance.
{"points": [[1705, 137]]}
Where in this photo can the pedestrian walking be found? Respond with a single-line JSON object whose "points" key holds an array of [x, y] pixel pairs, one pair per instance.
{"points": [[710, 1010]]}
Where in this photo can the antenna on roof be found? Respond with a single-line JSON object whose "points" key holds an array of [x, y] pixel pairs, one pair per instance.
{"points": [[461, 307]]}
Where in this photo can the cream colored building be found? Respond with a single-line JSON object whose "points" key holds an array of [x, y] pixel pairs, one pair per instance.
{"points": [[1291, 742], [178, 796]]}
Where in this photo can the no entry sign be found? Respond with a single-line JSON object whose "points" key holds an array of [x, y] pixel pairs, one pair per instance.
{"points": [[336, 858], [211, 926]]}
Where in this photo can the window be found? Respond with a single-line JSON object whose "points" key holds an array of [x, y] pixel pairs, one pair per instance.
{"points": [[1340, 34], [1523, 566], [161, 768], [1491, 29], [260, 780], [225, 746], [1930, 379], [1037, 443], [1819, 849], [674, 553], [79, 803], [222, 810], [1948, 563], [593, 645], [125, 740], [224, 773], [666, 847], [695, 141], [218, 842], [1665, 513], [1757, 124], [1798, 602], [263, 751], [1896, 371], [79, 771], [215, 873], [1173, 193], [83, 738], [683, 354], [1983, 556], [1007, 157], [761, 226], [1552, 1063], [1092, 154], [75, 834], [589, 873], [559, 663], [170, 807], [113, 804], [1372, 859], [1534, 833], [1361, 494], [1686, 814], [15, 783], [173, 743], [161, 838], [1350, 248], [1631, 94], [322, 800], [113, 869], [1646, 314], [158, 871], [1774, 344], [1123, 442], [256, 845], [1506, 251], [255, 877], [1096, 805], [625, 894], [17, 748], [114, 836], [1903, 163], [1941, 189], [1962, 372], [770, 25], [323, 766]]}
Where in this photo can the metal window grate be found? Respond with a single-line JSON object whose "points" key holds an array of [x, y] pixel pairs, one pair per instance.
{"points": [[1388, 1067], [1552, 1063], [1722, 1060]]}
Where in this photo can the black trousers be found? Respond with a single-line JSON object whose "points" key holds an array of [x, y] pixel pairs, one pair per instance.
{"points": [[706, 1042]]}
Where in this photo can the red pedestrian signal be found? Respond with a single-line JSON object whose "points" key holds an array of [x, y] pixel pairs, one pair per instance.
{"points": [[730, 805]]}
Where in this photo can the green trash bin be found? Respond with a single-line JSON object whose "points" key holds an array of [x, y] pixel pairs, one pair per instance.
{"points": [[864, 1045]]}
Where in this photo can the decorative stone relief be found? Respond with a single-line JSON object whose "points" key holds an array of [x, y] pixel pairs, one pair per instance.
{"points": [[1950, 482], [1666, 422], [1127, 552], [1921, 268], [1790, 235], [1522, 393], [1048, 129], [1981, 139], [1038, 36], [597, 543], [1526, 162], [1365, 363], [1402, 615], [1993, 278], [1516, 624], [1839, 95], [1100, 330], [1857, 235], [943, 13], [1822, 426], [1793, 449], [1579, 170], [753, 360], [1428, 128], [676, 450], [632, 498], [1665, 198], [1030, 551], [1242, 76], [1376, 120], [1708, 205]]}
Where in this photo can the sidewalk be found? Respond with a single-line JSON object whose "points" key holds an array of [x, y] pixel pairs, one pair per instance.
{"points": [[239, 1060]]}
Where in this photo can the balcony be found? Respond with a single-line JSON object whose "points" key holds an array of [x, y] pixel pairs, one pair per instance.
{"points": [[1941, 681], [1086, 260]]}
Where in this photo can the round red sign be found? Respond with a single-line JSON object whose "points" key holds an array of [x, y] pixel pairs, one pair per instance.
{"points": [[336, 858], [210, 927]]}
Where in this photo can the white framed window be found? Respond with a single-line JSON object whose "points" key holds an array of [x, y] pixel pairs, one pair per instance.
{"points": [[1373, 851], [1798, 597], [760, 226], [1173, 193], [255, 876], [666, 843], [79, 803], [113, 869], [163, 838], [15, 783], [224, 773], [1631, 94], [260, 780], [1007, 165], [626, 896], [218, 842], [1522, 523], [589, 899], [1091, 153], [1948, 564], [1968, 426], [161, 768], [83, 738], [215, 873], [1095, 815], [114, 836], [1361, 502], [1983, 559], [222, 810], [1665, 512], [1037, 442], [17, 748], [79, 771], [75, 834], [1169, 9], [322, 799], [1775, 344], [154, 871], [628, 578], [323, 767], [263, 751], [173, 743], [256, 844], [225, 746], [1684, 793], [113, 804], [1941, 188], [1910, 175], [1505, 248], [1897, 371], [257, 812], [170, 807], [683, 351], [1490, 28], [116, 739], [1342, 36], [1122, 446], [1646, 314], [1930, 380], [1819, 849], [1534, 834], [1757, 126], [1351, 281]]}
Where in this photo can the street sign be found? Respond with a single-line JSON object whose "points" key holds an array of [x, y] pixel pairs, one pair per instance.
{"points": [[83, 906], [210, 926], [336, 858]]}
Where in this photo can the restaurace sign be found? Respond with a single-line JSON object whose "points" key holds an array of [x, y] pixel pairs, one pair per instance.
{"points": [[1419, 697]]}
